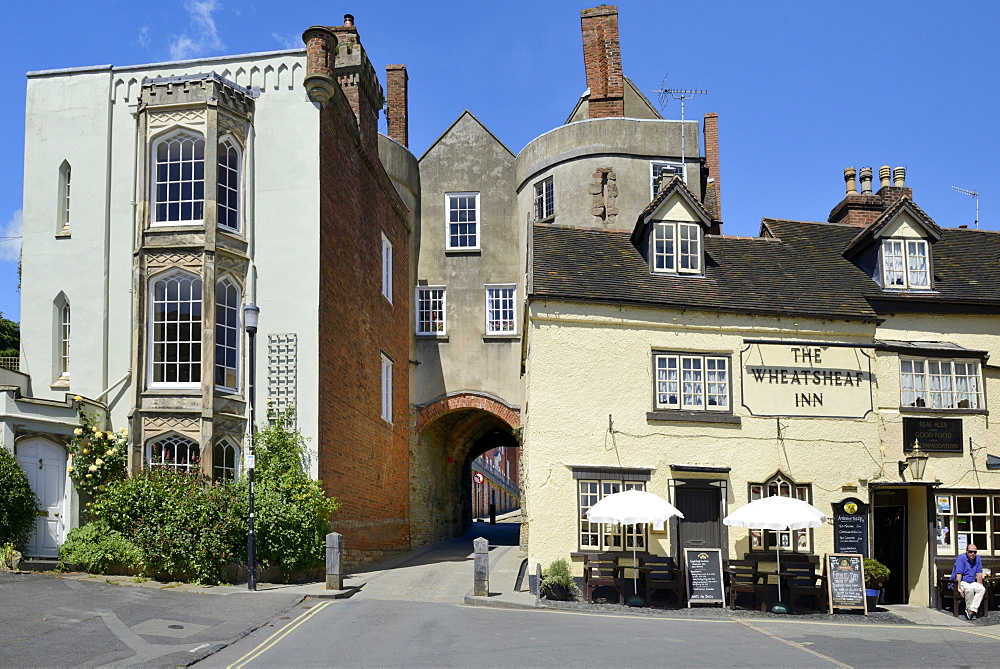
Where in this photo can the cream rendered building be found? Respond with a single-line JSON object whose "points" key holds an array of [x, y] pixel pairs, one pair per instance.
{"points": [[714, 370]]}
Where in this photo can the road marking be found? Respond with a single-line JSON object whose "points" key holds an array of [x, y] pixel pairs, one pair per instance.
{"points": [[598, 615], [977, 633], [197, 648], [794, 645], [277, 636]]}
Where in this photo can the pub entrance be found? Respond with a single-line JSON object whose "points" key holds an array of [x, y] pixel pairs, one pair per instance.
{"points": [[701, 503], [890, 535]]}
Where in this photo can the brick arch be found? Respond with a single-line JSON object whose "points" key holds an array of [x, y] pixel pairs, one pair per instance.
{"points": [[468, 400]]}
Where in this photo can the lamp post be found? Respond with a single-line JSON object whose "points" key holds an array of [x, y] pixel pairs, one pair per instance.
{"points": [[251, 313]]}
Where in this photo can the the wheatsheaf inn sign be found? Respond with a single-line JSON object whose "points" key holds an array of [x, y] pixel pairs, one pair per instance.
{"points": [[806, 379]]}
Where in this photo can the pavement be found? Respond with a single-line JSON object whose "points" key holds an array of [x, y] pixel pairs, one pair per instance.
{"points": [[50, 619]]}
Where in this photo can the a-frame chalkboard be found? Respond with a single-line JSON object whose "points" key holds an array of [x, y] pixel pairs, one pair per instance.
{"points": [[703, 571], [845, 581]]}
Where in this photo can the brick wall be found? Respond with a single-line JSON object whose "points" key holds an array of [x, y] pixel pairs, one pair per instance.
{"points": [[396, 103], [711, 130], [363, 460], [602, 61]]}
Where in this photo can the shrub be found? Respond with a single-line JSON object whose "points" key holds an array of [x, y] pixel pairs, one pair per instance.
{"points": [[17, 502], [184, 528], [98, 457], [876, 574], [558, 573], [97, 548]]}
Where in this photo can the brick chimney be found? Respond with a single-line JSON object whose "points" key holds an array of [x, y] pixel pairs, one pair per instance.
{"points": [[397, 103], [321, 47], [861, 209], [357, 78], [602, 60], [713, 186]]}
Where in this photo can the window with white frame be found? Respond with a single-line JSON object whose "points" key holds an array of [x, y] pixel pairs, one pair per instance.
{"points": [[228, 188], [500, 310], [386, 268], [431, 310], [173, 451], [462, 211], [386, 388], [603, 536], [675, 247], [691, 382], [544, 202], [65, 183], [64, 324], [904, 264], [178, 187], [798, 541], [967, 518], [940, 384], [175, 331], [227, 334], [658, 167], [225, 461]]}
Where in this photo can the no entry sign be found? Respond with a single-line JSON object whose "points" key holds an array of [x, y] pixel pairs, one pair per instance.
{"points": [[478, 478]]}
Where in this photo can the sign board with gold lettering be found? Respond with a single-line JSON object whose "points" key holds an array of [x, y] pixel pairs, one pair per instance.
{"points": [[806, 379], [934, 434]]}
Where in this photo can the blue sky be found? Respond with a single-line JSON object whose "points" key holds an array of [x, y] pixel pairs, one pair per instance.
{"points": [[802, 89]]}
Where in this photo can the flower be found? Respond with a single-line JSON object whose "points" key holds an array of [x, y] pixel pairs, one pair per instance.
{"points": [[111, 451], [89, 476], [70, 469], [96, 429], [92, 468], [85, 451], [123, 430], [77, 398], [78, 431], [98, 461]]}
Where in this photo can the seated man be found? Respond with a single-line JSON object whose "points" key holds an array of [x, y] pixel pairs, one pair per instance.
{"points": [[968, 575]]}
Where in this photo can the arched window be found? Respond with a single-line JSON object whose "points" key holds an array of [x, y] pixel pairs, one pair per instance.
{"points": [[780, 485], [65, 177], [175, 331], [172, 451], [64, 340], [178, 187], [229, 185], [225, 461], [227, 334]]}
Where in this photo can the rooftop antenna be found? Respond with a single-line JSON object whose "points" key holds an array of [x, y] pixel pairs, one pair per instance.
{"points": [[973, 194], [682, 95]]}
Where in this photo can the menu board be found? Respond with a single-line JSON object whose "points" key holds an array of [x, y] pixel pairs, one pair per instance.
{"points": [[704, 576], [846, 581], [850, 527]]}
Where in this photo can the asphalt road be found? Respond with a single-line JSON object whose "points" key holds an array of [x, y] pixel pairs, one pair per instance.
{"points": [[47, 620], [403, 633]]}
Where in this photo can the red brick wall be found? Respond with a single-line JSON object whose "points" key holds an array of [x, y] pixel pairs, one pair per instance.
{"points": [[397, 103], [602, 61], [363, 461], [711, 129]]}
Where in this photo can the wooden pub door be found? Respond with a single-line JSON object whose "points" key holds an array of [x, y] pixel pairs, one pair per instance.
{"points": [[701, 526]]}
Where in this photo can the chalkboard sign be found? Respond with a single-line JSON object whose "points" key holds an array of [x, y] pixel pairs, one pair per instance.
{"points": [[845, 578], [850, 527], [704, 576]]}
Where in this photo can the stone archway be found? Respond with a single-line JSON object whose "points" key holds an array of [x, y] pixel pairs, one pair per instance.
{"points": [[448, 434]]}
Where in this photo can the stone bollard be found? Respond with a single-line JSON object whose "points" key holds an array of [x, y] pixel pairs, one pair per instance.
{"points": [[538, 584], [481, 547], [334, 561]]}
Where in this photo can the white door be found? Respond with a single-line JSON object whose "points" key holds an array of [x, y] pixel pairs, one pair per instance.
{"points": [[45, 465]]}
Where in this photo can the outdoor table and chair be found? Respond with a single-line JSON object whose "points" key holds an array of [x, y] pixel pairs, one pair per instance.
{"points": [[646, 573]]}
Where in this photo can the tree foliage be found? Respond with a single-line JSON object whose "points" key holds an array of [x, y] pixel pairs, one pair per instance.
{"points": [[17, 502], [10, 338]]}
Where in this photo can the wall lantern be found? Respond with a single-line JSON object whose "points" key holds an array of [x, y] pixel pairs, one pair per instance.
{"points": [[916, 461]]}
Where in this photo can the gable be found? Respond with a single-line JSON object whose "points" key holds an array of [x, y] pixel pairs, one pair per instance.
{"points": [[466, 130], [903, 225], [676, 208]]}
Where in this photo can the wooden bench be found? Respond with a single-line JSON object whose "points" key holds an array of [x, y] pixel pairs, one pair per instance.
{"points": [[943, 566], [801, 579], [602, 570], [742, 576], [657, 572]]}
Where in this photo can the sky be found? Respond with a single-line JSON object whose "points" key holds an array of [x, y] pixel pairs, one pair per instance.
{"points": [[802, 89]]}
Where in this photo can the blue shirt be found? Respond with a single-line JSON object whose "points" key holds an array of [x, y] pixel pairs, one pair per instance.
{"points": [[967, 569]]}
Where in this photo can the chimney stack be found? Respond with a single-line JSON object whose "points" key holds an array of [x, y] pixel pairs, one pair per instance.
{"points": [[321, 50], [885, 176], [396, 93], [850, 179], [358, 81], [862, 209], [714, 181], [899, 176], [866, 181], [603, 62]]}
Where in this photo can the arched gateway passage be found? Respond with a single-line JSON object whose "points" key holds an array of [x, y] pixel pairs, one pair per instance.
{"points": [[449, 434]]}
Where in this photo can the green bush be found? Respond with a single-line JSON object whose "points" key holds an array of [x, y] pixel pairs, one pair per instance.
{"points": [[184, 528], [876, 574], [558, 573], [17, 502], [97, 548]]}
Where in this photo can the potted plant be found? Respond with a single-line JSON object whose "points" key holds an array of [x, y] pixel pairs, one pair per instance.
{"points": [[876, 574], [558, 583]]}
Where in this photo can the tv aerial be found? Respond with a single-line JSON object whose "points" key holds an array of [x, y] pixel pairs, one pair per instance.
{"points": [[682, 95], [974, 194]]}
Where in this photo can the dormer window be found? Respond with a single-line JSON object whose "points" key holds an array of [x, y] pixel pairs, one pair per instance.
{"points": [[904, 264], [675, 247]]}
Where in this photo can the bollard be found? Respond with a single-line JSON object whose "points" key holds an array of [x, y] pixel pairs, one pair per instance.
{"points": [[334, 561], [538, 584], [481, 566]]}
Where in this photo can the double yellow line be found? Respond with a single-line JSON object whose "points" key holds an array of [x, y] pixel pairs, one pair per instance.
{"points": [[277, 636]]}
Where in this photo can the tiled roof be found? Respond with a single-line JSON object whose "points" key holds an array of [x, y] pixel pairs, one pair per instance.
{"points": [[801, 271]]}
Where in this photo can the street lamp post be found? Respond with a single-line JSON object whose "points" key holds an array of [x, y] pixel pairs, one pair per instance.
{"points": [[250, 315]]}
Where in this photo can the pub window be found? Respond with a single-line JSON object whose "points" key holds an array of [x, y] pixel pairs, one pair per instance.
{"points": [[940, 384], [964, 519], [691, 382], [795, 541], [604, 536]]}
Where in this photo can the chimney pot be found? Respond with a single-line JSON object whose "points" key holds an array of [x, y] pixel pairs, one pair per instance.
{"points": [[899, 175], [866, 181], [885, 176], [850, 179], [348, 20]]}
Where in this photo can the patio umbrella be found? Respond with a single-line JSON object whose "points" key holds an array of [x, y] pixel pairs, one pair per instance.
{"points": [[632, 507], [779, 514]]}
